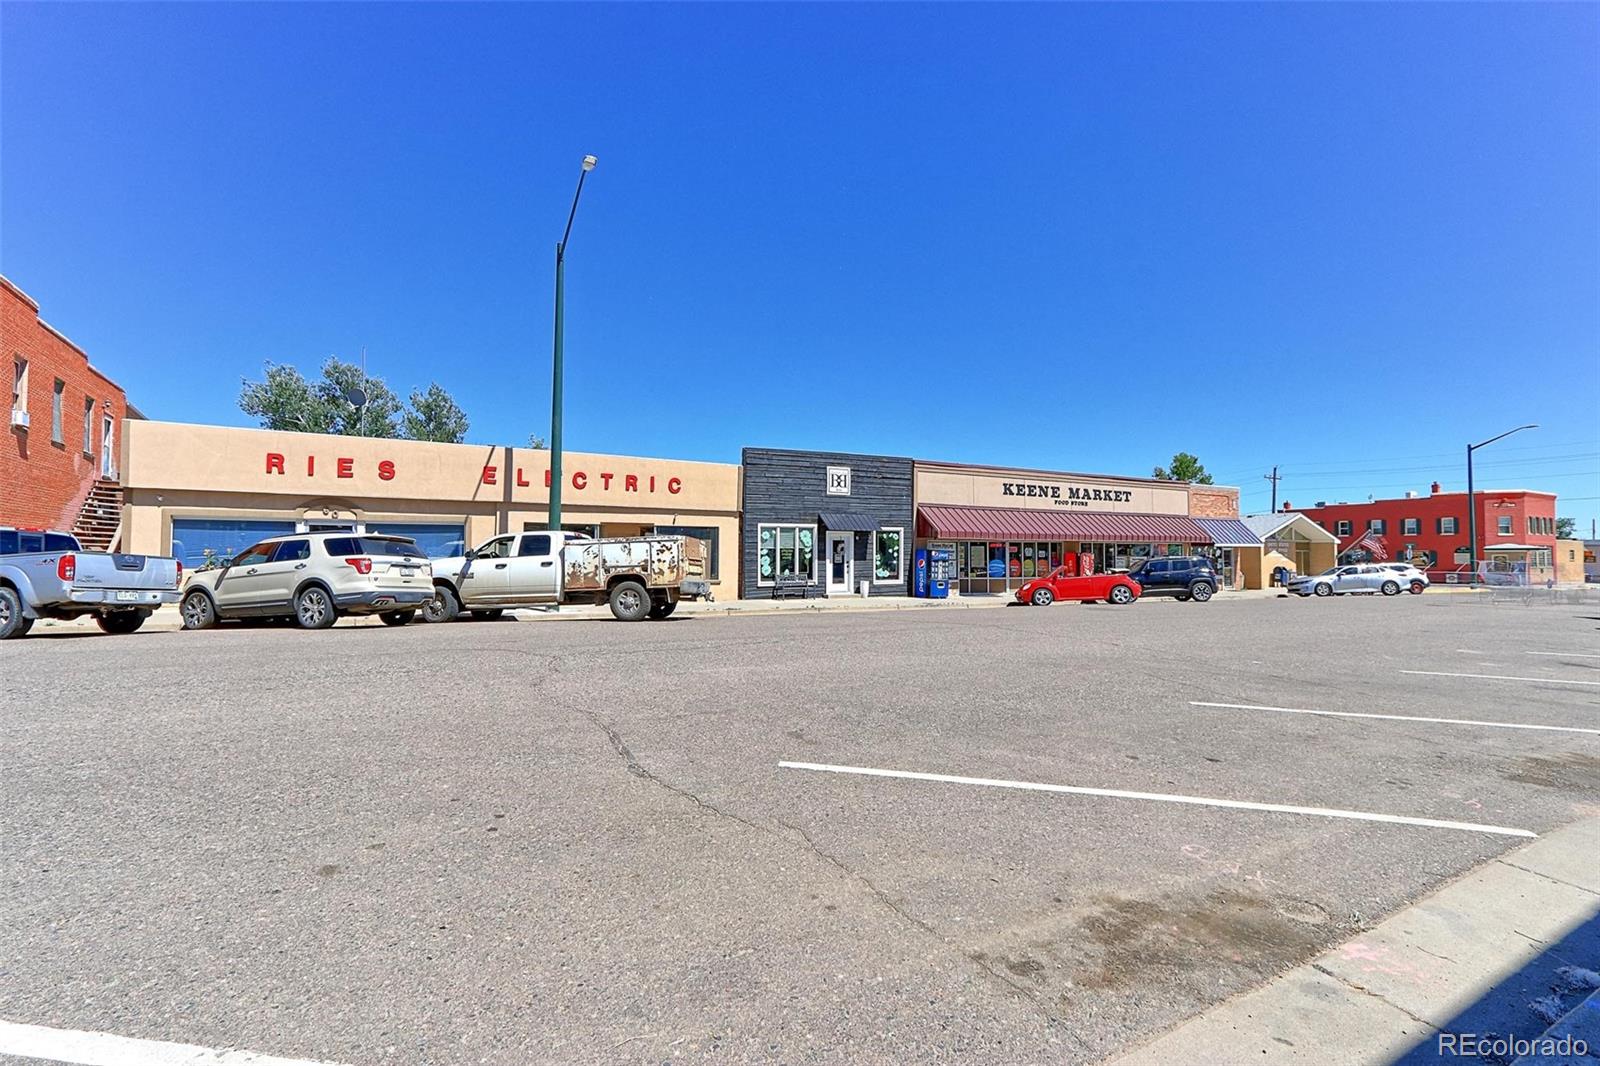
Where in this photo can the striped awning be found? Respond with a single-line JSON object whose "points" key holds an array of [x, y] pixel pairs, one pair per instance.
{"points": [[1229, 533], [1004, 523]]}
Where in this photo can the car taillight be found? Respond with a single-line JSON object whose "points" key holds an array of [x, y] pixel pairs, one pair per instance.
{"points": [[363, 566], [67, 567], [180, 574]]}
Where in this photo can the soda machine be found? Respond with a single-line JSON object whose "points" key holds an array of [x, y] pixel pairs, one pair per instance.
{"points": [[941, 572]]}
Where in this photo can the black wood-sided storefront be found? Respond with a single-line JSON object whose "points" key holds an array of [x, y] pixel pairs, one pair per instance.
{"points": [[821, 523]]}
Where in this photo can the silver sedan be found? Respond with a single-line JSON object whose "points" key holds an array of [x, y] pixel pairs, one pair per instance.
{"points": [[1355, 579]]}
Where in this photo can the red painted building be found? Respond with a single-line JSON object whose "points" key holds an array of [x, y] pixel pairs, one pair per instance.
{"points": [[61, 459], [1432, 530]]}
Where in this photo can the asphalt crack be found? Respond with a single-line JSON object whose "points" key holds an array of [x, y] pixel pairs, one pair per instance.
{"points": [[637, 769], [634, 767]]}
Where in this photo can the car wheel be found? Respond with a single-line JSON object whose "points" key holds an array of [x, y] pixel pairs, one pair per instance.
{"points": [[198, 611], [12, 622], [1323, 589], [313, 608], [1417, 587], [1121, 595], [1043, 597], [487, 616], [1390, 588], [630, 602], [443, 607], [397, 618], [663, 609], [1201, 592], [119, 622]]}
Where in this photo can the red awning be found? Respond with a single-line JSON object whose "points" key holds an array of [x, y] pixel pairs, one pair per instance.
{"points": [[1004, 523]]}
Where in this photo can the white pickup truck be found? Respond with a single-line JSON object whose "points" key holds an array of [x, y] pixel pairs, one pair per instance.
{"points": [[640, 577], [44, 574]]}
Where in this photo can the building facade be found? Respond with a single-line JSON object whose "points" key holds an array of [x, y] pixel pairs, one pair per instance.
{"points": [[1006, 525], [827, 522], [194, 491], [1514, 526], [64, 441]]}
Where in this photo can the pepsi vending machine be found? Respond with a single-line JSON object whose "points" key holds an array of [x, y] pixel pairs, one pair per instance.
{"points": [[941, 571], [919, 578]]}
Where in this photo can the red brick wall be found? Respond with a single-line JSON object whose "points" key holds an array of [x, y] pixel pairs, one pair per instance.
{"points": [[1209, 501], [44, 483], [1518, 505]]}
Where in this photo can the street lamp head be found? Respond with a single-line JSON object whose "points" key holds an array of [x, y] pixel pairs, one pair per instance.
{"points": [[589, 161]]}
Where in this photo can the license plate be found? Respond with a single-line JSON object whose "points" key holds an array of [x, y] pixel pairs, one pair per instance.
{"points": [[408, 571], [128, 597]]}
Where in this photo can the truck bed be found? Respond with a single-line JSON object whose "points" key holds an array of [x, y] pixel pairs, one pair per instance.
{"points": [[664, 561]]}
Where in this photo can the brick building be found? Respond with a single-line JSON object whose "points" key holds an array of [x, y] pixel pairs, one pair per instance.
{"points": [[1432, 530], [60, 463]]}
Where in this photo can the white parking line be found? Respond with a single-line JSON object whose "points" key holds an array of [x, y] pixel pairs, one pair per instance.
{"points": [[1500, 677], [104, 1049], [1565, 654], [1160, 797], [1395, 717]]}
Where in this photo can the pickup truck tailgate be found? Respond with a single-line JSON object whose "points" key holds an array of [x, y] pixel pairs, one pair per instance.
{"points": [[136, 573]]}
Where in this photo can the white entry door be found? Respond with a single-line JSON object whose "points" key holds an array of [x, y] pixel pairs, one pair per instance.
{"points": [[108, 449], [841, 563]]}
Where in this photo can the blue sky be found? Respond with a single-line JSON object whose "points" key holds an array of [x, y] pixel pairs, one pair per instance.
{"points": [[1346, 239]]}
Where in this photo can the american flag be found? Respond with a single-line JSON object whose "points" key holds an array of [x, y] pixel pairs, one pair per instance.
{"points": [[1371, 543]]}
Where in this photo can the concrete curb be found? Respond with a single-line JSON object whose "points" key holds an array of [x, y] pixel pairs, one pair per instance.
{"points": [[1376, 996]]}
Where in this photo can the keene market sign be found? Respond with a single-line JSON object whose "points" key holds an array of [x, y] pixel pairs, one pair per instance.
{"points": [[1065, 495]]}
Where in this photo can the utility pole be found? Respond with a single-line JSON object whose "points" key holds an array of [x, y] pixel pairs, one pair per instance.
{"points": [[1274, 478]]}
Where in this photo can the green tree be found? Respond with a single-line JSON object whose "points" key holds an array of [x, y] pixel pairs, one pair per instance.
{"points": [[536, 442], [1566, 528], [286, 400], [434, 416], [1185, 467]]}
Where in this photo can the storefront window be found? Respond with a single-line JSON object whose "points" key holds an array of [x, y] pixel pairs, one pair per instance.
{"points": [[1027, 560], [785, 551], [194, 540], [886, 565], [705, 533]]}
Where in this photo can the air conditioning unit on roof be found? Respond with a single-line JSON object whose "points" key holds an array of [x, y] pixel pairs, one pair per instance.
{"points": [[19, 418]]}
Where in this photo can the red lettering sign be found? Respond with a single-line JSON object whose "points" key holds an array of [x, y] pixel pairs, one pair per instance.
{"points": [[605, 480], [346, 467], [547, 479], [385, 470], [522, 482], [675, 485], [652, 483], [489, 473], [311, 465], [274, 463], [630, 483], [580, 480]]}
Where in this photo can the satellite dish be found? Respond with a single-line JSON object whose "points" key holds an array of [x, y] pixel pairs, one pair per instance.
{"points": [[356, 396]]}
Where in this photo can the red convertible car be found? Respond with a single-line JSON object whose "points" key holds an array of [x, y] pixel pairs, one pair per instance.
{"points": [[1062, 585]]}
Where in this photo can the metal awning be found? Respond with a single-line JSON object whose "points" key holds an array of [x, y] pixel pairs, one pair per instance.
{"points": [[1229, 533], [845, 522], [1004, 523]]}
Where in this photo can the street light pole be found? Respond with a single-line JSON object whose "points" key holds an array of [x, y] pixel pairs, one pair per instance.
{"points": [[554, 517], [1472, 501]]}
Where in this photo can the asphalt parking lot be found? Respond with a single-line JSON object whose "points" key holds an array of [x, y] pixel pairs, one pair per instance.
{"points": [[520, 842]]}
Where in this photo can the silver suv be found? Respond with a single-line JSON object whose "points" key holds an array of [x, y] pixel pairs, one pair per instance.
{"points": [[313, 578]]}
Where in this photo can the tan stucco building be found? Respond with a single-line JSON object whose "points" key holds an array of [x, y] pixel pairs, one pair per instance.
{"points": [[1006, 525], [193, 489]]}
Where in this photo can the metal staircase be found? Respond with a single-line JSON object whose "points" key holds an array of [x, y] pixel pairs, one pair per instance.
{"points": [[99, 523]]}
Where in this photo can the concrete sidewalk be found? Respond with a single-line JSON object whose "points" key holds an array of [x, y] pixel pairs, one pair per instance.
{"points": [[167, 618], [1451, 963]]}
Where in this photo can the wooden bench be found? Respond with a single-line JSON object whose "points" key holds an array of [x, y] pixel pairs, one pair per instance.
{"points": [[792, 586]]}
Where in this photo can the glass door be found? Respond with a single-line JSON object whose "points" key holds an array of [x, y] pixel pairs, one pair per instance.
{"points": [[841, 563]]}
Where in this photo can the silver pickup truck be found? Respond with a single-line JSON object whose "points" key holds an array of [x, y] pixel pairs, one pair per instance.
{"points": [[640, 577], [44, 574]]}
